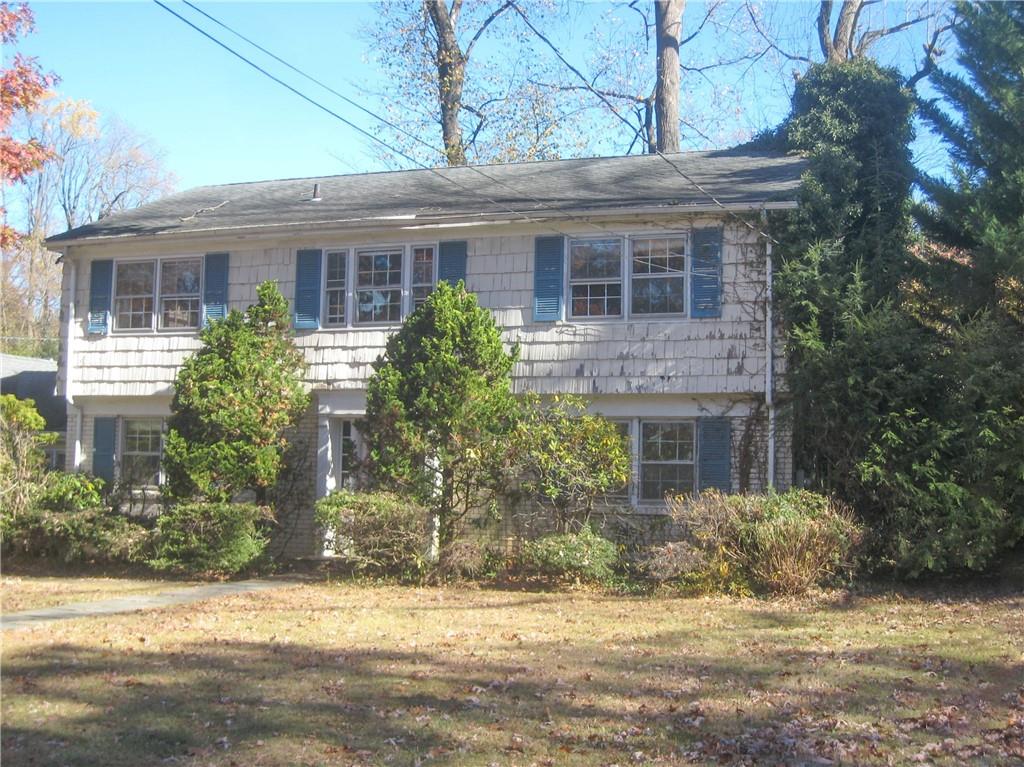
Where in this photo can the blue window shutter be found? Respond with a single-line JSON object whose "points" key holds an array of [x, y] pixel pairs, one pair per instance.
{"points": [[307, 289], [714, 450], [451, 262], [706, 281], [104, 442], [215, 287], [101, 289], [548, 257]]}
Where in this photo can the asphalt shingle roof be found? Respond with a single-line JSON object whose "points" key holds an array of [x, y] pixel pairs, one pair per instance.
{"points": [[736, 178]]}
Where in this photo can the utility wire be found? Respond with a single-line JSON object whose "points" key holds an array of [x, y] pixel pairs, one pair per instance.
{"points": [[351, 124], [412, 136], [630, 125]]}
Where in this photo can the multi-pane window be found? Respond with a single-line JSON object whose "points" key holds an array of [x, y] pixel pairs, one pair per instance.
{"points": [[343, 451], [422, 274], [659, 276], [140, 452], [179, 293], [378, 285], [334, 287], [666, 459], [133, 295], [595, 278], [166, 294]]}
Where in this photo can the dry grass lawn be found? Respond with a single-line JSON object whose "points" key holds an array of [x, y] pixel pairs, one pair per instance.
{"points": [[343, 674]]}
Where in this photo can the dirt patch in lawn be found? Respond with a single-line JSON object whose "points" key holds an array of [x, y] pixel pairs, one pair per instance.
{"points": [[360, 675]]}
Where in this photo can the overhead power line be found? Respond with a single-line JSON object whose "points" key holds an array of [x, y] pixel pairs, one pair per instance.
{"points": [[519, 214], [412, 136]]}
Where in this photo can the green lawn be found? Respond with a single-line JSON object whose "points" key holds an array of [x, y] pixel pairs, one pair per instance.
{"points": [[357, 675]]}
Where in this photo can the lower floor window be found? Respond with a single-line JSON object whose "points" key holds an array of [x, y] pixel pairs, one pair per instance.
{"points": [[140, 452], [666, 459], [343, 454]]}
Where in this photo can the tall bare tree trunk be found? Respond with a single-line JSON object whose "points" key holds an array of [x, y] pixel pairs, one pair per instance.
{"points": [[668, 23], [451, 75]]}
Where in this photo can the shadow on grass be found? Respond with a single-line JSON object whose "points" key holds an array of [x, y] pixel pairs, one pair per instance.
{"points": [[678, 696]]}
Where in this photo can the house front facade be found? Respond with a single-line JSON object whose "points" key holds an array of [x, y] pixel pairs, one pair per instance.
{"points": [[641, 283]]}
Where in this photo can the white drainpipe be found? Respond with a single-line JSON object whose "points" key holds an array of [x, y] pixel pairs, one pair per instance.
{"points": [[769, 380], [69, 355]]}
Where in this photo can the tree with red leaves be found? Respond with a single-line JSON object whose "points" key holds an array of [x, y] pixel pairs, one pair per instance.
{"points": [[22, 85]]}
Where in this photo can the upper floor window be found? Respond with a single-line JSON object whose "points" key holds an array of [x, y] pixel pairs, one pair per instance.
{"points": [[334, 286], [140, 285], [654, 277], [179, 293], [133, 295], [379, 285], [659, 276], [423, 274], [595, 278], [363, 286]]}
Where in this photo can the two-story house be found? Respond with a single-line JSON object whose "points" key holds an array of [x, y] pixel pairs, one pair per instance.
{"points": [[642, 282]]}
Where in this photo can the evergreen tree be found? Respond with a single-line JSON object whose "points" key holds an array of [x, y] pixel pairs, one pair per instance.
{"points": [[233, 401], [906, 406], [980, 118], [440, 409]]}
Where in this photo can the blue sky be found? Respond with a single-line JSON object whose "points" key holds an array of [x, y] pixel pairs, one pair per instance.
{"points": [[219, 121]]}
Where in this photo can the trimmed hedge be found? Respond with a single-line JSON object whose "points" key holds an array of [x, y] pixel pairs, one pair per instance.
{"points": [[210, 538]]}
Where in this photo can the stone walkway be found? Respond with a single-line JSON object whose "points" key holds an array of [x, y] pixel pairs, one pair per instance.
{"points": [[28, 618]]}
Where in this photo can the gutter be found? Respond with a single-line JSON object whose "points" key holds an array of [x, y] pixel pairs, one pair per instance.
{"points": [[69, 355], [769, 368], [426, 222]]}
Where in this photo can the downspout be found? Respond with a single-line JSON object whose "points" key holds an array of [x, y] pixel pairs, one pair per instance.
{"points": [[769, 345], [69, 339]]}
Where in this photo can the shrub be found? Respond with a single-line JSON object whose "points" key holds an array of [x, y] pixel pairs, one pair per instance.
{"points": [[568, 459], [69, 492], [584, 556], [672, 561], [210, 538], [379, 533], [22, 461], [78, 535], [781, 543]]}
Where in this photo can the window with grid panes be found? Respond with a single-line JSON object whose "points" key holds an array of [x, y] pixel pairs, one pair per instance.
{"points": [[423, 261], [133, 295], [658, 276], [140, 452], [334, 286], [378, 294], [666, 458], [180, 301], [595, 278]]}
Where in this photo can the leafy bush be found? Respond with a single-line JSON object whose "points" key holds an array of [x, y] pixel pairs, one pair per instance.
{"points": [[69, 492], [22, 461], [584, 556], [780, 543], [379, 533], [78, 535], [568, 459], [672, 561], [210, 538]]}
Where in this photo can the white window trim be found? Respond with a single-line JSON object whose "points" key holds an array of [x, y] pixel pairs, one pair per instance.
{"points": [[627, 277], [642, 502], [154, 323], [351, 274], [569, 281], [122, 434]]}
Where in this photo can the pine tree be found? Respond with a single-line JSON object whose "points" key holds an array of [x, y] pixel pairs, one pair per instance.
{"points": [[980, 117], [233, 401], [440, 409]]}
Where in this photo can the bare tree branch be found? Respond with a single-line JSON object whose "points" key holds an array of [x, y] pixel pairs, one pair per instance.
{"points": [[483, 26]]}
